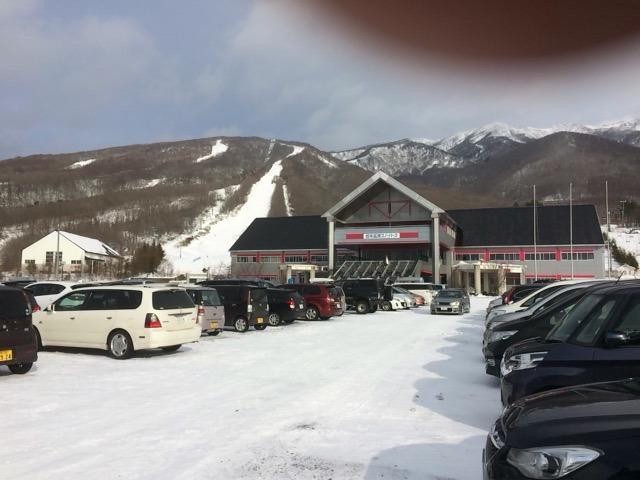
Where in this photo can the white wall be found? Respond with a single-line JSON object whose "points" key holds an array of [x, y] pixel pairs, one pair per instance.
{"points": [[38, 251]]}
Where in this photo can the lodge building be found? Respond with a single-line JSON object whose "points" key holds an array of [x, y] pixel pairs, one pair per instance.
{"points": [[384, 229]]}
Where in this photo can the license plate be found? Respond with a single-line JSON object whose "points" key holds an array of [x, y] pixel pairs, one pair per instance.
{"points": [[213, 324], [259, 320], [302, 305], [6, 355]]}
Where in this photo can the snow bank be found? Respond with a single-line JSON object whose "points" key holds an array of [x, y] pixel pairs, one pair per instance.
{"points": [[81, 163], [217, 149], [210, 247]]}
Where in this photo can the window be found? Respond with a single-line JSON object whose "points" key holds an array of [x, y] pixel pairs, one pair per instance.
{"points": [[504, 256], [29, 262], [76, 262], [467, 256], [312, 290], [270, 259], [114, 300], [578, 256], [208, 298], [319, 258], [295, 259], [630, 321], [73, 301], [595, 322], [14, 304], [49, 258], [245, 259], [171, 300], [544, 256]]}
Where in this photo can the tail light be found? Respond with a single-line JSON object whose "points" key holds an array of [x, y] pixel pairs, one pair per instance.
{"points": [[152, 321], [292, 303], [35, 308], [200, 317]]}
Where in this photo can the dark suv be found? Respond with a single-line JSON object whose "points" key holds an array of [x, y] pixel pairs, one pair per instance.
{"points": [[18, 343], [599, 340], [363, 295], [588, 432], [285, 306], [244, 306], [322, 300]]}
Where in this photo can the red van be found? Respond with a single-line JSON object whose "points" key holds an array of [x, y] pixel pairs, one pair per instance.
{"points": [[18, 343], [323, 301]]}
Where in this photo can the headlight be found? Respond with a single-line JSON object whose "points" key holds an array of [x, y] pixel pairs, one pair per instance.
{"points": [[455, 304], [497, 336], [521, 362], [550, 462]]}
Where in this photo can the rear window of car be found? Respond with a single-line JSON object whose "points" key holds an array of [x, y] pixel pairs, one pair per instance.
{"points": [[312, 290], [171, 300], [13, 304], [259, 295], [208, 298], [335, 291], [415, 286]]}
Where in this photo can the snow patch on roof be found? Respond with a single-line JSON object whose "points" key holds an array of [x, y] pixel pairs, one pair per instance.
{"points": [[216, 149], [90, 245], [81, 163], [211, 243]]}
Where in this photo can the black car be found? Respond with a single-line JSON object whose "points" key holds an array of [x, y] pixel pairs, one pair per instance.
{"points": [[599, 340], [285, 306], [537, 325], [18, 340], [244, 306], [588, 432], [365, 294], [258, 282]]}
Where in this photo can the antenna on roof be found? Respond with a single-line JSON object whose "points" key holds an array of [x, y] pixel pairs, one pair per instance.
{"points": [[619, 277]]}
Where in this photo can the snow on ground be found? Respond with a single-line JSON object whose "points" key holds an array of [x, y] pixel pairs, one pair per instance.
{"points": [[81, 163], [210, 248], [287, 200], [216, 149], [626, 238], [153, 183], [325, 161], [392, 395], [296, 150]]}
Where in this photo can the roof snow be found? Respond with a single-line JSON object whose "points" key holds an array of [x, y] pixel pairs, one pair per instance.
{"points": [[216, 149], [81, 163], [90, 245]]}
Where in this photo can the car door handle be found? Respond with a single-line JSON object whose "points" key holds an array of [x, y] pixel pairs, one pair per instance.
{"points": [[109, 318], [72, 318]]}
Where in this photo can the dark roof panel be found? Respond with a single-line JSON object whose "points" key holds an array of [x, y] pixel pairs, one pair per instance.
{"points": [[514, 226], [284, 233]]}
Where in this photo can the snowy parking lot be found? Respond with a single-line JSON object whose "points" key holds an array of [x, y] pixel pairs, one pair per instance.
{"points": [[392, 395]]}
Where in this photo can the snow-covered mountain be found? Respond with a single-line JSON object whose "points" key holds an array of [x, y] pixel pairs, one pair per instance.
{"points": [[416, 156]]}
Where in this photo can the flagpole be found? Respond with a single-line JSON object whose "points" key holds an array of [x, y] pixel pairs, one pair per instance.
{"points": [[571, 225], [535, 236]]}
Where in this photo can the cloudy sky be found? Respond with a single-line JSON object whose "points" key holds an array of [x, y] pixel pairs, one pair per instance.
{"points": [[81, 74]]}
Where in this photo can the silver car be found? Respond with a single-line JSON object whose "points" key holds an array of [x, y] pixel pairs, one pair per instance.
{"points": [[451, 300], [212, 321], [404, 295]]}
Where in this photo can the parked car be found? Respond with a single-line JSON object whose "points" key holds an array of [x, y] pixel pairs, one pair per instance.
{"points": [[418, 299], [322, 300], [258, 282], [529, 300], [426, 290], [514, 294], [18, 282], [46, 292], [285, 306], [397, 302], [587, 432], [363, 295], [18, 343], [537, 324], [210, 308], [405, 295], [451, 300], [120, 320], [244, 306], [599, 340]]}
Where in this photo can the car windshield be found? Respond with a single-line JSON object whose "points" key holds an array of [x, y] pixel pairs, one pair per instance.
{"points": [[574, 319], [450, 294]]}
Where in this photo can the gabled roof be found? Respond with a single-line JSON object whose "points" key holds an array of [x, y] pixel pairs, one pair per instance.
{"points": [[90, 245], [284, 233], [486, 227], [370, 183]]}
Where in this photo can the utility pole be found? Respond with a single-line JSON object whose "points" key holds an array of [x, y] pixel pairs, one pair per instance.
{"points": [[535, 236], [606, 190], [622, 202], [571, 226], [56, 260]]}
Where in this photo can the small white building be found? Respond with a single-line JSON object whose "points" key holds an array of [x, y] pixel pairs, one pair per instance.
{"points": [[76, 256]]}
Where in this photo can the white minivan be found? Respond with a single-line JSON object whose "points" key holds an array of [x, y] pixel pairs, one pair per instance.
{"points": [[120, 319]]}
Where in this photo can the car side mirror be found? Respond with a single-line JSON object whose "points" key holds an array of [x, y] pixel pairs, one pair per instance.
{"points": [[616, 339]]}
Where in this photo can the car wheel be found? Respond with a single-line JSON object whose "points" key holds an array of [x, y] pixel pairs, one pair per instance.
{"points": [[362, 307], [172, 348], [386, 306], [241, 325], [311, 313], [120, 345], [274, 319], [214, 333], [20, 368], [260, 327]]}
